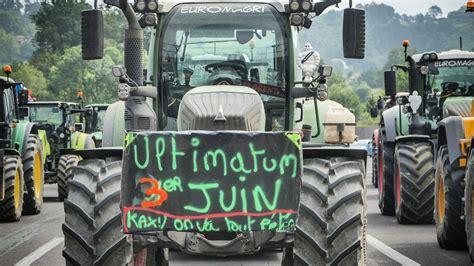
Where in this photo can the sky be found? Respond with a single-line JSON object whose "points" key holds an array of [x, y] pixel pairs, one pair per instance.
{"points": [[413, 7]]}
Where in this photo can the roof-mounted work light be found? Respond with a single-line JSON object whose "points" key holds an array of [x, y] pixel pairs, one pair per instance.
{"points": [[146, 6], [305, 6]]}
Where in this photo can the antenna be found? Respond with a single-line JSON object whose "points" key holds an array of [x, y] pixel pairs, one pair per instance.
{"points": [[460, 43]]}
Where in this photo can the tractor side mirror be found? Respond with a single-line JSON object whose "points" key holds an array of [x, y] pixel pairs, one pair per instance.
{"points": [[23, 113], [254, 75], [23, 97], [354, 33], [92, 34], [374, 112], [390, 81]]}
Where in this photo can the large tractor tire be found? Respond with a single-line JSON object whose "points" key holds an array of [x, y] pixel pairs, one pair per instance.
{"points": [[93, 227], [450, 228], [12, 204], [385, 171], [332, 218], [469, 204], [375, 162], [414, 183], [66, 164], [33, 175]]}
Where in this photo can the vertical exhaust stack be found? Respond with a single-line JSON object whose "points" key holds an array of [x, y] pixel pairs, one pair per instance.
{"points": [[139, 115]]}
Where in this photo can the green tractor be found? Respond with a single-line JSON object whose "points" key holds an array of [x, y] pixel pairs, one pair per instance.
{"points": [[21, 156], [205, 159], [407, 137], [63, 128], [60, 130]]}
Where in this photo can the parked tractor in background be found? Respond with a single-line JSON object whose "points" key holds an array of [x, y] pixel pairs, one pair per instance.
{"points": [[21, 156], [455, 76], [383, 103], [204, 172], [63, 128], [407, 134]]}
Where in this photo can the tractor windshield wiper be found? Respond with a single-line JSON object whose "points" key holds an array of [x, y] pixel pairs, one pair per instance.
{"points": [[186, 36]]}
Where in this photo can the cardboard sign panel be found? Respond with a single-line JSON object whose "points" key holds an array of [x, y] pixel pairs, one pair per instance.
{"points": [[211, 181]]}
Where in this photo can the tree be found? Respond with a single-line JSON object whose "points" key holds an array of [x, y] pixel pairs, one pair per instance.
{"points": [[10, 49], [434, 12], [33, 80], [72, 74], [340, 91], [59, 25]]}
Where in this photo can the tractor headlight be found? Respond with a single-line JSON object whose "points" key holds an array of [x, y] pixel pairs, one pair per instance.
{"points": [[433, 56], [140, 6], [295, 6], [426, 57], [400, 100], [322, 92], [123, 91], [297, 19], [306, 6], [150, 19], [424, 70], [152, 6]]}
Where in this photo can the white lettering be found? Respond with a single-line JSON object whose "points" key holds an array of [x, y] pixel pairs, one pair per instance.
{"points": [[454, 63], [221, 10]]}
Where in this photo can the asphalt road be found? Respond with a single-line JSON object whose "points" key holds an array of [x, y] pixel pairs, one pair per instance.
{"points": [[37, 240]]}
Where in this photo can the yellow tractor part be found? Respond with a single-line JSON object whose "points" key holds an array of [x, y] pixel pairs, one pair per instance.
{"points": [[17, 190], [45, 144], [441, 199], [38, 176], [468, 125]]}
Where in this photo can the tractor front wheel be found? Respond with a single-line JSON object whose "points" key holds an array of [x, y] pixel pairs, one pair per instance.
{"points": [[65, 165], [93, 226], [332, 218], [414, 183], [33, 175], [450, 228], [12, 204]]}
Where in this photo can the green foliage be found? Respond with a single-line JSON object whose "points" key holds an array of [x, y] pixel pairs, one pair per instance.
{"points": [[72, 74], [10, 49], [33, 80], [59, 25], [341, 92]]}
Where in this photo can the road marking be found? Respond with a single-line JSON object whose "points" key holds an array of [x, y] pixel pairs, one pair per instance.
{"points": [[35, 255], [390, 252]]}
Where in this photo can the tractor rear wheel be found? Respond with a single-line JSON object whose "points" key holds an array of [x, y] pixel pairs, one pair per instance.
{"points": [[385, 171], [12, 204], [93, 226], [332, 218], [33, 174], [469, 204], [414, 183], [450, 228], [65, 165]]}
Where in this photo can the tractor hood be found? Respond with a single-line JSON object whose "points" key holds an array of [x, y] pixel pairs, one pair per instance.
{"points": [[221, 108]]}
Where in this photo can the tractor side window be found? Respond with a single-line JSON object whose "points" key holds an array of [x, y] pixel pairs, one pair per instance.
{"points": [[9, 106]]}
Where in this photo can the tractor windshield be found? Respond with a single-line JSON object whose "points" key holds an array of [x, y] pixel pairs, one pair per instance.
{"points": [[453, 76], [225, 44], [46, 115]]}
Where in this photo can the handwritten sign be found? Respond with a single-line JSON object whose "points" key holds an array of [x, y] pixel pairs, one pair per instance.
{"points": [[211, 181]]}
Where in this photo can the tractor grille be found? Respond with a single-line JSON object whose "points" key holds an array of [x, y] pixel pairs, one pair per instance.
{"points": [[221, 110]]}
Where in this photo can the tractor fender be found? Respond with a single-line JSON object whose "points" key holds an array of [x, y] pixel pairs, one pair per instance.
{"points": [[10, 152], [66, 152], [417, 138], [80, 141], [310, 151], [411, 138], [389, 117], [450, 131], [20, 135], [114, 125]]}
